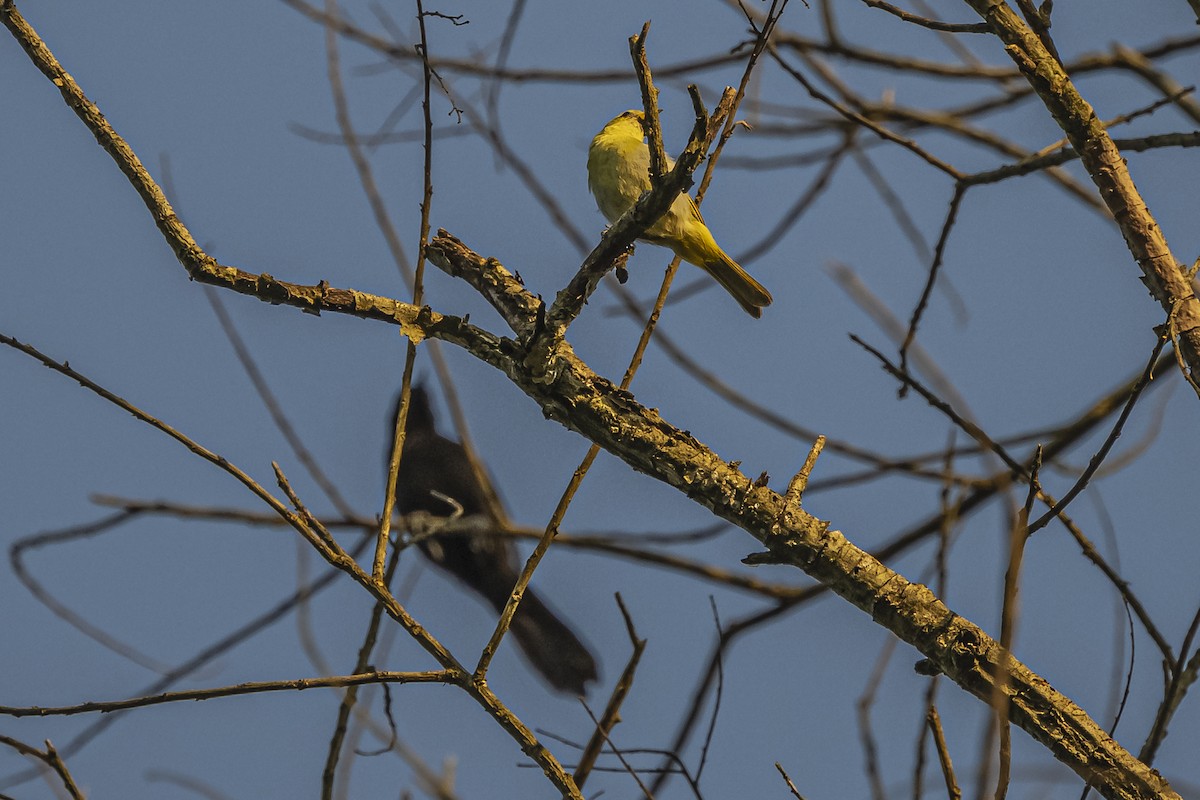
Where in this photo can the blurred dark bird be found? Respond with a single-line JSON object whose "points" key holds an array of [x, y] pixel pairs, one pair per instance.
{"points": [[486, 563]]}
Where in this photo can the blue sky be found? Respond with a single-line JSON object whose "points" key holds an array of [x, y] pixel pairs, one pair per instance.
{"points": [[210, 95]]}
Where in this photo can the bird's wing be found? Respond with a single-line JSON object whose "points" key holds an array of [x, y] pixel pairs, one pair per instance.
{"points": [[695, 209]]}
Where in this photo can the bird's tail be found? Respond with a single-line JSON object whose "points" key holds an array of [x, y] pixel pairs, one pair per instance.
{"points": [[487, 565], [551, 647], [750, 294]]}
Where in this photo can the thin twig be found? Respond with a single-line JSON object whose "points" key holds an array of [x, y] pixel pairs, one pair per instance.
{"points": [[350, 696], [50, 758], [939, 253], [943, 753], [1098, 458], [931, 24], [257, 687], [612, 710], [787, 779]]}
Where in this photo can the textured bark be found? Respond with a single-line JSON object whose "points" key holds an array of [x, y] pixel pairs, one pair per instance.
{"points": [[568, 391], [1165, 277]]}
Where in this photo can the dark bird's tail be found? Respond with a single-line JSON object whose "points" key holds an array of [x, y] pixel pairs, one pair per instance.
{"points": [[551, 647], [433, 467]]}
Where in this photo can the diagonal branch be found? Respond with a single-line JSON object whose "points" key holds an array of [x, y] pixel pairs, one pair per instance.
{"points": [[571, 393], [1165, 277]]}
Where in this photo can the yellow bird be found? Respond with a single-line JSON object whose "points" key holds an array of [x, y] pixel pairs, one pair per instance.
{"points": [[619, 173]]}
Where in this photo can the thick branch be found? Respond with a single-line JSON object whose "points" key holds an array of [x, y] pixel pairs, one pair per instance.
{"points": [[498, 286], [572, 394], [1162, 274], [585, 402]]}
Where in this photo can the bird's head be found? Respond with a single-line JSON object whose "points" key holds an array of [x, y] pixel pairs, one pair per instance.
{"points": [[628, 122]]}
